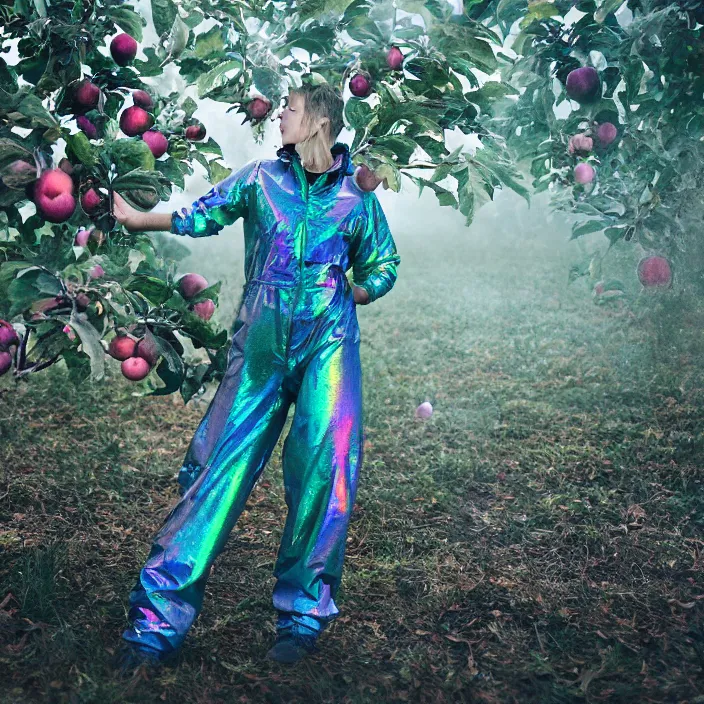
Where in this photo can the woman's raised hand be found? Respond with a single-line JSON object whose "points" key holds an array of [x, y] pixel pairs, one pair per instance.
{"points": [[124, 213]]}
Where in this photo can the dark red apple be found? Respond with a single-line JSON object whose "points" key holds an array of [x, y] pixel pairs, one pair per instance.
{"points": [[66, 166], [142, 99], [147, 349], [583, 84], [156, 142], [87, 95], [655, 271], [367, 180], [606, 134], [122, 347], [5, 362], [123, 48], [135, 120], [204, 309], [360, 86], [90, 200], [53, 195], [195, 132], [394, 58], [259, 107], [91, 131], [8, 335], [135, 368], [82, 301], [191, 284]]}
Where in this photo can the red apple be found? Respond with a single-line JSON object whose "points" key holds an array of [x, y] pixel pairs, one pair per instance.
{"points": [[82, 301], [135, 368], [96, 272], [394, 58], [360, 86], [156, 142], [53, 195], [191, 284], [584, 173], [655, 271], [195, 132], [5, 362], [123, 48], [204, 309], [90, 200], [580, 143], [606, 134], [142, 99], [66, 166], [366, 179], [8, 335], [87, 95], [135, 120], [258, 107], [82, 237], [122, 347], [583, 84], [91, 131], [148, 350], [425, 410]]}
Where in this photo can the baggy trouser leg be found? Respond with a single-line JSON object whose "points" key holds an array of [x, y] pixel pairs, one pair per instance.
{"points": [[322, 456], [168, 595]]}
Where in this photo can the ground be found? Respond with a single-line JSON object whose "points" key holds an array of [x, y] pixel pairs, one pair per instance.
{"points": [[538, 539]]}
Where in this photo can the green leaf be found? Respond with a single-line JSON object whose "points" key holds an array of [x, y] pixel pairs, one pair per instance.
{"points": [[127, 19], [316, 8], [357, 113], [538, 11], [171, 379], [215, 78], [31, 107], [210, 43], [163, 13], [585, 228], [131, 153], [90, 340], [606, 8], [155, 290], [217, 172], [79, 146]]}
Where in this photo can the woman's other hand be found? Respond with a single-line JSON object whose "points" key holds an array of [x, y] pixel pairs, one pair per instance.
{"points": [[361, 297]]}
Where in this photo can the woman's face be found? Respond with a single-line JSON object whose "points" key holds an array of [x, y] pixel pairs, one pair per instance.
{"points": [[292, 130]]}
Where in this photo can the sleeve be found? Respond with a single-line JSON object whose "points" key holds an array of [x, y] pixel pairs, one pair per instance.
{"points": [[375, 256], [222, 205]]}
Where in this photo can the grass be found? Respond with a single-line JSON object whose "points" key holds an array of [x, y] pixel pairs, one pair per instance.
{"points": [[538, 539]]}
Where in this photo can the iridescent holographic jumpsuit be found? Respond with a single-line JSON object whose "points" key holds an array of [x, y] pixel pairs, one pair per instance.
{"points": [[295, 340]]}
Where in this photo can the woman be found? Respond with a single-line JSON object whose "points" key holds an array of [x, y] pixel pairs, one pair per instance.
{"points": [[295, 340]]}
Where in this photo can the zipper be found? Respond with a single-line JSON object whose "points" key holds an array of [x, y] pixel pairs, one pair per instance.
{"points": [[298, 168]]}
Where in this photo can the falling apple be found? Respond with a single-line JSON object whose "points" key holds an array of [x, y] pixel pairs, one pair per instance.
{"points": [[425, 410], [96, 272]]}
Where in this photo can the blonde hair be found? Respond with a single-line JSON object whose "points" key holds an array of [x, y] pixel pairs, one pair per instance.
{"points": [[320, 101]]}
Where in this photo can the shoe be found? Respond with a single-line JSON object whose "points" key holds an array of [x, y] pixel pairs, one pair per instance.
{"points": [[292, 646], [131, 657]]}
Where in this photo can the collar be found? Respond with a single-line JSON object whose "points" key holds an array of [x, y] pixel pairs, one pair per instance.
{"points": [[340, 152]]}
